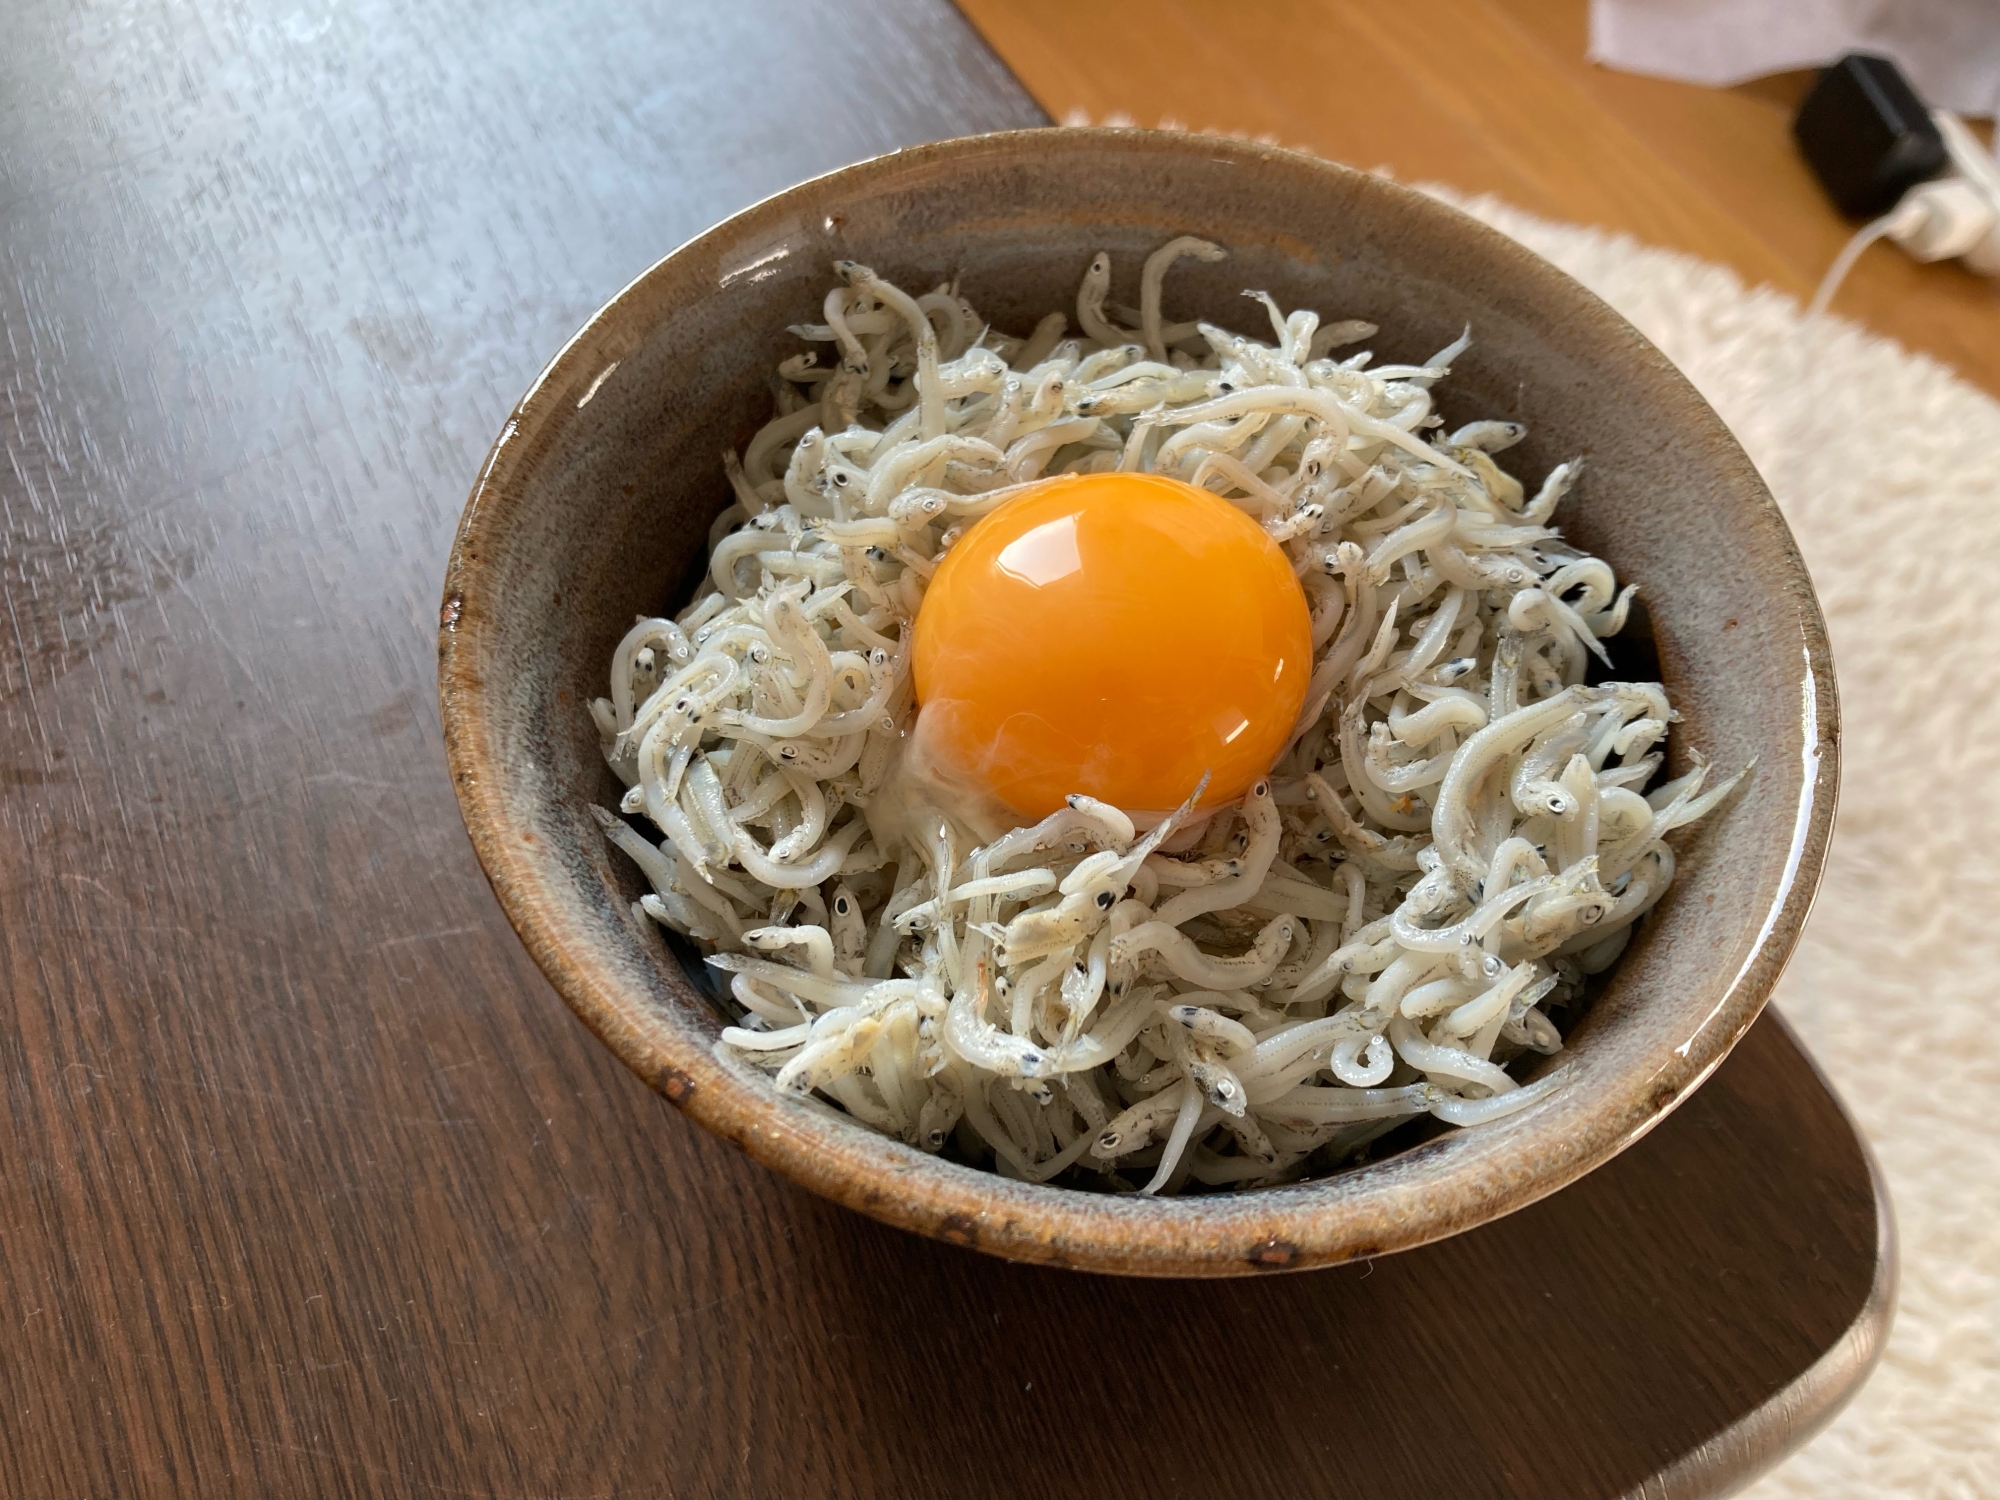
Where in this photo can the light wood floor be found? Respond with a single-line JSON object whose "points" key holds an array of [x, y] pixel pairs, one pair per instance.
{"points": [[1495, 96]]}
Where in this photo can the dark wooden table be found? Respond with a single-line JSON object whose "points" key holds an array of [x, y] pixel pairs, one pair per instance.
{"points": [[308, 1185]]}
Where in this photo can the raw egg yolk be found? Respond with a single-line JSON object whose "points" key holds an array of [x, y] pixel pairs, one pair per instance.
{"points": [[1112, 634]]}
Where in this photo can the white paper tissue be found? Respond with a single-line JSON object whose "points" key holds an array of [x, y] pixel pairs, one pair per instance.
{"points": [[1949, 49]]}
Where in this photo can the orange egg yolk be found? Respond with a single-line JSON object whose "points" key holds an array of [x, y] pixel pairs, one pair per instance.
{"points": [[1111, 634]]}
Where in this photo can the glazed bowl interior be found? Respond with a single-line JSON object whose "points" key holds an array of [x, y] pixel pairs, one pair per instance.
{"points": [[595, 507]]}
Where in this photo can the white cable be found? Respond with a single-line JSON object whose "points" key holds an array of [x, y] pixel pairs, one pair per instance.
{"points": [[1957, 215], [1836, 273], [1982, 169]]}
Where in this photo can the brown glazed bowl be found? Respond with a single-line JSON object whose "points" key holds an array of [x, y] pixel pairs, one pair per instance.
{"points": [[595, 503]]}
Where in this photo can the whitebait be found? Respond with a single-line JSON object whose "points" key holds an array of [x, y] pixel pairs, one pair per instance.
{"points": [[1456, 837]]}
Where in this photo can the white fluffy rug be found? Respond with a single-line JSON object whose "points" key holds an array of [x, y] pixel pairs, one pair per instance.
{"points": [[1888, 468]]}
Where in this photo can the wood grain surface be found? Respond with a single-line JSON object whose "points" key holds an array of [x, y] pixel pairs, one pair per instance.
{"points": [[1497, 96], [309, 1186]]}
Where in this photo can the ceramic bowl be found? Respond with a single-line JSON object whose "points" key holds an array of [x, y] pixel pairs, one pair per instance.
{"points": [[595, 503]]}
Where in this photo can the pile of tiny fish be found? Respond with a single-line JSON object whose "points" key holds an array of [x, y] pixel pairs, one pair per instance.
{"points": [[1458, 834]]}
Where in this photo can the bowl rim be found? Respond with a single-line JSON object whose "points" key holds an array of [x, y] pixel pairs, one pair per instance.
{"points": [[1423, 1194]]}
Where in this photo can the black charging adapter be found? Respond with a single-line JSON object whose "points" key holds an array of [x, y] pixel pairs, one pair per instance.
{"points": [[1866, 135]]}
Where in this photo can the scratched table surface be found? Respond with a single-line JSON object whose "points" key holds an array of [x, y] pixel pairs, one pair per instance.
{"points": [[308, 1184]]}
